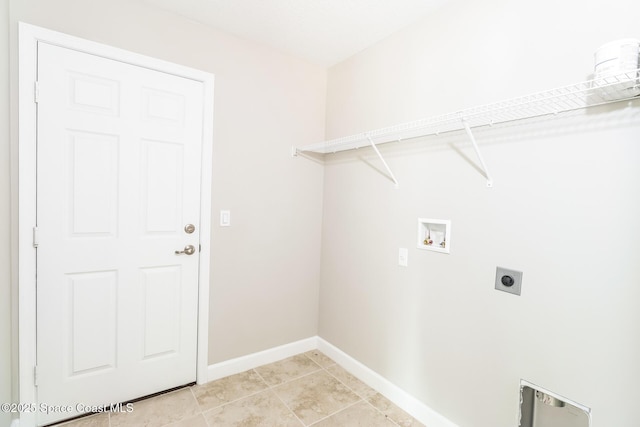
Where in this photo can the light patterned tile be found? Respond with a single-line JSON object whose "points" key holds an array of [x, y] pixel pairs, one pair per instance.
{"points": [[362, 414], [396, 414], [320, 358], [322, 397], [99, 420], [315, 396], [263, 409], [228, 389], [360, 388], [287, 369], [158, 411], [195, 421]]}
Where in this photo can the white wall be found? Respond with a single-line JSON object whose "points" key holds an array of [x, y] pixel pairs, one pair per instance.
{"points": [[563, 209], [265, 267], [5, 188]]}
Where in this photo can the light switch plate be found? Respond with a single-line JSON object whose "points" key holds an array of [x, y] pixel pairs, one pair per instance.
{"points": [[225, 218], [403, 257], [512, 282]]}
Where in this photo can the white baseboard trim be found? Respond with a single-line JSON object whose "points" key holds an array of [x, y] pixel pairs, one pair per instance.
{"points": [[401, 398], [250, 361]]}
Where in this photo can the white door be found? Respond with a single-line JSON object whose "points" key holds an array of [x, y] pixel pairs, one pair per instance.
{"points": [[119, 152]]}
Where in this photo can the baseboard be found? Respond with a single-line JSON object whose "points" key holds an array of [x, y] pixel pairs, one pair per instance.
{"points": [[401, 398], [250, 361]]}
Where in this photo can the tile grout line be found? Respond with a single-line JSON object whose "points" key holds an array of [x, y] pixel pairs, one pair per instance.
{"points": [[273, 387], [346, 385], [268, 388], [335, 413], [261, 377], [288, 408], [362, 398], [324, 368], [306, 375], [320, 369], [199, 407], [202, 411], [382, 413], [292, 379], [295, 379], [184, 417]]}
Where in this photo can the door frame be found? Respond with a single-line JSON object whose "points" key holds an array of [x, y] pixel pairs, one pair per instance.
{"points": [[29, 36]]}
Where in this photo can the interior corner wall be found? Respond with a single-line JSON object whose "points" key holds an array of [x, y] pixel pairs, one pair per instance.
{"points": [[563, 210], [5, 194], [265, 266]]}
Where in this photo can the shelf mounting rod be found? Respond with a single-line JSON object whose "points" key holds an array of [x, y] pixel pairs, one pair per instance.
{"points": [[478, 153], [373, 145]]}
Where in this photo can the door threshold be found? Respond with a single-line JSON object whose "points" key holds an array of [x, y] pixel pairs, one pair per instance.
{"points": [[122, 405]]}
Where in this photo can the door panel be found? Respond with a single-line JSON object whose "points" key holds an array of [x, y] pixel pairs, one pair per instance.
{"points": [[119, 150], [93, 180], [93, 94], [162, 164], [92, 313], [162, 310]]}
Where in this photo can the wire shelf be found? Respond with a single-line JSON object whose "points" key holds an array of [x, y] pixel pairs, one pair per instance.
{"points": [[599, 91]]}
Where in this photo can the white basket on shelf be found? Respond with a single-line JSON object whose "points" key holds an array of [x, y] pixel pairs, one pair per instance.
{"points": [[616, 69]]}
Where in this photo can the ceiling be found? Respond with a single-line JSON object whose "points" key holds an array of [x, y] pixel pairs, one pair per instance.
{"points": [[324, 32]]}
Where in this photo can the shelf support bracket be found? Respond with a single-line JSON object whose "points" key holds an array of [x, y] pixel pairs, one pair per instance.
{"points": [[373, 145], [478, 153]]}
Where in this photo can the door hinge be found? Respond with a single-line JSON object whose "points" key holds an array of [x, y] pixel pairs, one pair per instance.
{"points": [[35, 375], [36, 240], [36, 91]]}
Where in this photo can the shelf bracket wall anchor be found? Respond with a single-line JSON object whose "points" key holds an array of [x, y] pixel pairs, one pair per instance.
{"points": [[478, 153], [373, 145]]}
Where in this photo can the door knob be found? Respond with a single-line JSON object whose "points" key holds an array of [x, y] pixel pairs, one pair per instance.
{"points": [[188, 250]]}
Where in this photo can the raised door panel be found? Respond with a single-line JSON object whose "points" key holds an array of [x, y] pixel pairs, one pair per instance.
{"points": [[93, 94], [161, 292], [162, 184], [92, 340], [93, 183]]}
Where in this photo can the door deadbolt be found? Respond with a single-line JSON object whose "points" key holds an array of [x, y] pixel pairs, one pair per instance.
{"points": [[188, 250], [189, 228]]}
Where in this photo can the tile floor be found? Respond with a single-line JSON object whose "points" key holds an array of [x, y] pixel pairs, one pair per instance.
{"points": [[309, 389]]}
